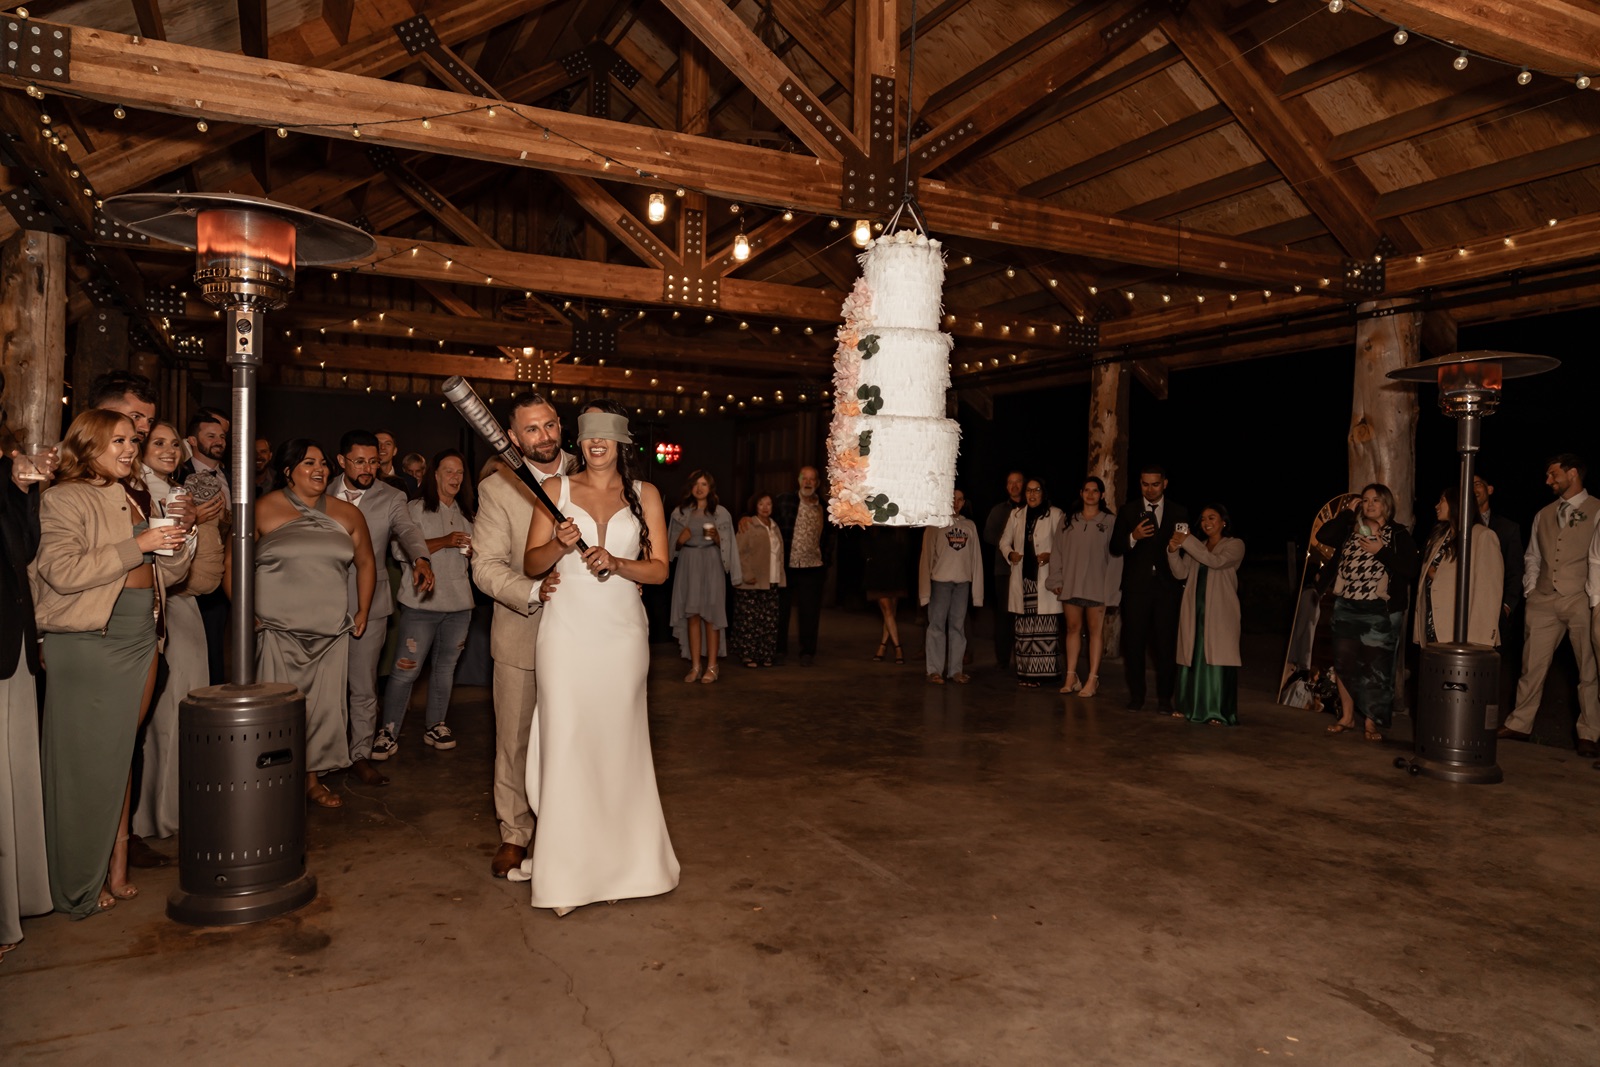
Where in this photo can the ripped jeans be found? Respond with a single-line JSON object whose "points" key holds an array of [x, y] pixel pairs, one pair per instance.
{"points": [[419, 631]]}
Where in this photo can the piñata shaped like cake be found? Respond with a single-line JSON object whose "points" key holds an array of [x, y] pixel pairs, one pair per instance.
{"points": [[891, 451]]}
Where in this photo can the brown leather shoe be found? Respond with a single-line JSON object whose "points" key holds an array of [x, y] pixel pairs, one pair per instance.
{"points": [[1509, 734], [506, 858], [1587, 748], [142, 855], [368, 774]]}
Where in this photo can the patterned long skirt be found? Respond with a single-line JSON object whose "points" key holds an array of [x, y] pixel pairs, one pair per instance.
{"points": [[754, 636], [1038, 638], [1366, 639]]}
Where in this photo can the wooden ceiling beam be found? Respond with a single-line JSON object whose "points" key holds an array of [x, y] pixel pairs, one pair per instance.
{"points": [[1464, 106], [336, 15], [1562, 35], [1222, 187], [1341, 64], [113, 67], [764, 240], [828, 46], [148, 12], [764, 74], [1491, 177], [1570, 240], [621, 223], [877, 53], [253, 34], [928, 22], [1018, 95], [1169, 136], [1285, 132], [1007, 58]]}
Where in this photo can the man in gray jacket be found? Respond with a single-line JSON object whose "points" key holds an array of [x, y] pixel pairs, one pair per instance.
{"points": [[499, 537], [388, 519]]}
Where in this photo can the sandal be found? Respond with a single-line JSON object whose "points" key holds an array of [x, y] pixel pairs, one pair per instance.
{"points": [[128, 890], [899, 657], [709, 676], [1071, 685], [882, 645], [1028, 685], [751, 663], [323, 797], [693, 675], [1091, 687], [107, 900], [1372, 735], [1341, 727]]}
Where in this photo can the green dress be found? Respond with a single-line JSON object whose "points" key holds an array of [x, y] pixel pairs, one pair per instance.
{"points": [[1206, 693]]}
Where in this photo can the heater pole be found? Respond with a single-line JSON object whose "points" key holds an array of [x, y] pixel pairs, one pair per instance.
{"points": [[1469, 438], [244, 336]]}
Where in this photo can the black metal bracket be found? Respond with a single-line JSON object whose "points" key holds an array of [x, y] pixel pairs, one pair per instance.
{"points": [[34, 50]]}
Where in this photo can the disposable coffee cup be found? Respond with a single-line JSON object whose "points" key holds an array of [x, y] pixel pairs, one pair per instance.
{"points": [[160, 522], [708, 529]]}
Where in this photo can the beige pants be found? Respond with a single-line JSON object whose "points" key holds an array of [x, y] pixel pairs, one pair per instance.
{"points": [[1549, 619], [513, 720]]}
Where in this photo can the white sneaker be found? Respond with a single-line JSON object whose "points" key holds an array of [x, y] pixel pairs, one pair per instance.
{"points": [[384, 745], [438, 735]]}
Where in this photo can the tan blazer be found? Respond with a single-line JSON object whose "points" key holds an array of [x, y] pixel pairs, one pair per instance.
{"points": [[755, 557], [499, 536], [1222, 599], [86, 549], [1486, 584]]}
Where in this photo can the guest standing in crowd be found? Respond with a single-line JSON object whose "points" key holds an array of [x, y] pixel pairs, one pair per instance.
{"points": [[994, 528], [413, 469], [755, 598], [1087, 579], [306, 542], [388, 453], [1036, 612], [389, 521], [98, 584], [885, 571], [505, 511], [1561, 558], [1435, 618], [263, 482], [1150, 594], [1208, 622], [701, 537], [127, 394], [949, 579], [803, 520], [435, 620], [206, 477], [1509, 536], [1374, 563], [602, 834], [156, 811], [24, 870]]}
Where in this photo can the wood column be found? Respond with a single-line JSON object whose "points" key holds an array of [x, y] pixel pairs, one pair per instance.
{"points": [[1383, 419], [101, 345], [1109, 398], [33, 333]]}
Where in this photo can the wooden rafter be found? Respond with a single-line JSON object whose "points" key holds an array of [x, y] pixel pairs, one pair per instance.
{"points": [[1007, 58], [1170, 135], [1492, 177], [113, 67], [877, 54], [1464, 106], [1561, 35], [1285, 131], [253, 33]]}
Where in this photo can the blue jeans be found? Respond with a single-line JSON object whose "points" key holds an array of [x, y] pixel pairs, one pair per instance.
{"points": [[946, 643], [419, 631]]}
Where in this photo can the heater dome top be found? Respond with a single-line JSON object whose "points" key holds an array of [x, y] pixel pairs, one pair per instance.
{"points": [[1512, 365], [171, 217]]}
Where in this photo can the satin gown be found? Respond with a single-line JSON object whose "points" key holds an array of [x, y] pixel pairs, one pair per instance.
{"points": [[601, 834], [303, 603]]}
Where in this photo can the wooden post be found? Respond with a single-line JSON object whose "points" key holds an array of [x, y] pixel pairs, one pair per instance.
{"points": [[1109, 398], [100, 346], [1383, 419], [33, 333]]}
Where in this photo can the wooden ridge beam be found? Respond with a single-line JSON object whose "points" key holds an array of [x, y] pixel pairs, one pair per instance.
{"points": [[1284, 131], [1102, 37], [1562, 35], [1491, 177], [778, 88]]}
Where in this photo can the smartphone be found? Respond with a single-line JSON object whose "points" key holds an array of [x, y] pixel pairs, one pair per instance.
{"points": [[1365, 530], [1181, 527]]}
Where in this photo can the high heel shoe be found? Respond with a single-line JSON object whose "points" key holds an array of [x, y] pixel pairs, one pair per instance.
{"points": [[1091, 687], [899, 657], [1072, 684], [128, 890], [882, 645], [560, 912], [693, 675]]}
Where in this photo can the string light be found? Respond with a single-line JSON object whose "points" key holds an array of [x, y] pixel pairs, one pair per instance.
{"points": [[1582, 81], [1461, 60], [1335, 6], [1401, 36], [202, 126], [658, 207], [119, 112], [1525, 77]]}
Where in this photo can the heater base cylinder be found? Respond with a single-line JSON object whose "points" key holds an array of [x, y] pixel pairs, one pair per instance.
{"points": [[1457, 714], [242, 811]]}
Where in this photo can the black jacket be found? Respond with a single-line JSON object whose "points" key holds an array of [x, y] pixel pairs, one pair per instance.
{"points": [[1399, 557], [1144, 567], [1510, 535], [19, 540]]}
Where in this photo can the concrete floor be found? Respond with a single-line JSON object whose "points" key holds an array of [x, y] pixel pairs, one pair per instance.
{"points": [[878, 871]]}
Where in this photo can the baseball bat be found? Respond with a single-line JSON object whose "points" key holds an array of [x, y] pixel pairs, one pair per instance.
{"points": [[470, 406]]}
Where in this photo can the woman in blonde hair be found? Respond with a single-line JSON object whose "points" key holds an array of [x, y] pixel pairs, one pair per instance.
{"points": [[99, 582]]}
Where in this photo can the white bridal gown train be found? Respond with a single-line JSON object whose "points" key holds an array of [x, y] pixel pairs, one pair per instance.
{"points": [[600, 834]]}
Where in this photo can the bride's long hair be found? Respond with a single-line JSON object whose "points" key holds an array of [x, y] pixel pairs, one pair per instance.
{"points": [[628, 466]]}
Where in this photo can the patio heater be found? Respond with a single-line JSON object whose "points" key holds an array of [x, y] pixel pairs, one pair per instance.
{"points": [[1458, 685], [241, 750]]}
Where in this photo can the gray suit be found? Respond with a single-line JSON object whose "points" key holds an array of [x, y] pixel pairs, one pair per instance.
{"points": [[388, 519]]}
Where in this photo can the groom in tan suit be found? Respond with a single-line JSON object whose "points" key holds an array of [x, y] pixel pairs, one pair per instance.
{"points": [[1560, 593], [499, 535]]}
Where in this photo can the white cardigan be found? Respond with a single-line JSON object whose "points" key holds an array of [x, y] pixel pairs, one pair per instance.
{"points": [[1044, 534]]}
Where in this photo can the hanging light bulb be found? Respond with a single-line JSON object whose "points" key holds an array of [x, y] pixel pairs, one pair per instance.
{"points": [[1460, 62], [741, 248], [1401, 36], [119, 113], [788, 216], [862, 233], [1582, 81], [1525, 77], [1335, 6], [658, 207]]}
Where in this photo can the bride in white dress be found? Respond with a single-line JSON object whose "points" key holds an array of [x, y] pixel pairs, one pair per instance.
{"points": [[601, 834]]}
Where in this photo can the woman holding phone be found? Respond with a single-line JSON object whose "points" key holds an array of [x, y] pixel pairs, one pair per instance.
{"points": [[1208, 622]]}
